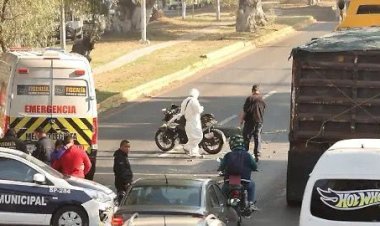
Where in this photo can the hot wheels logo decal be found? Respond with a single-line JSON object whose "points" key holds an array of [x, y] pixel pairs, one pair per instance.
{"points": [[350, 200]]}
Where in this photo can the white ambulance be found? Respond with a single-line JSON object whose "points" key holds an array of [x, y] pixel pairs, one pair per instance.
{"points": [[49, 89], [344, 186]]}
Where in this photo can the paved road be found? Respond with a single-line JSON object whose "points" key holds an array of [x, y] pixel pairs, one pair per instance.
{"points": [[223, 90]]}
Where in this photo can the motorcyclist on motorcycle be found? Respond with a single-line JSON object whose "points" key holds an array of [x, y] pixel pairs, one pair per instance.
{"points": [[239, 162]]}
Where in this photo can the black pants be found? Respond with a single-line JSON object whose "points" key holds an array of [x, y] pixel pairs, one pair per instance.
{"points": [[121, 189], [120, 185], [253, 129]]}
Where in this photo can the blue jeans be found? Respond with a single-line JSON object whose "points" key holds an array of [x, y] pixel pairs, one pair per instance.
{"points": [[253, 129], [251, 190]]}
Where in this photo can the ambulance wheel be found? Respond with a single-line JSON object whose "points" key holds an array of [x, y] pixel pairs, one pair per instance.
{"points": [[70, 215]]}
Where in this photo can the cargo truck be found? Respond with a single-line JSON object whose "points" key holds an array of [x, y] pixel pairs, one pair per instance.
{"points": [[335, 95]]}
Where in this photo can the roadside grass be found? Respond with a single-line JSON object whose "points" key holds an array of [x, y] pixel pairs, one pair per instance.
{"points": [[111, 47], [179, 56], [156, 65]]}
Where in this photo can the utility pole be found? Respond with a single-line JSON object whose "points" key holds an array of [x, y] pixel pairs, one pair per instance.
{"points": [[218, 10], [183, 9], [143, 22], [63, 27]]}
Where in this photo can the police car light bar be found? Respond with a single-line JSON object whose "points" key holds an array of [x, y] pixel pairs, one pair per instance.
{"points": [[23, 70]]}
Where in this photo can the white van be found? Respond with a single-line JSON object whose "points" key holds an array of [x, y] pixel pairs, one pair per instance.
{"points": [[344, 186], [49, 89]]}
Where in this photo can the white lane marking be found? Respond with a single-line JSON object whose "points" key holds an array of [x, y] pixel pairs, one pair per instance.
{"points": [[122, 125], [178, 149], [228, 119], [269, 94]]}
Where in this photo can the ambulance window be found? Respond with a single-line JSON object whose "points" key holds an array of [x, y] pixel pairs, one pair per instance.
{"points": [[346, 200], [14, 170], [369, 9]]}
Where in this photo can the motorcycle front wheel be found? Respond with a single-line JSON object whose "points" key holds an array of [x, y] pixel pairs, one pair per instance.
{"points": [[164, 140], [213, 141]]}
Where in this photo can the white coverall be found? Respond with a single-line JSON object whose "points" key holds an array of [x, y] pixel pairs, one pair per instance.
{"points": [[193, 126]]}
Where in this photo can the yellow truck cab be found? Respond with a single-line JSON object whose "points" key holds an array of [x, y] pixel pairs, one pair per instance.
{"points": [[50, 89], [361, 13]]}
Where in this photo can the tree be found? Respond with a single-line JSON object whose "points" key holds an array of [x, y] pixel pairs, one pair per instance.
{"points": [[250, 15], [313, 2], [27, 22], [96, 10], [128, 15]]}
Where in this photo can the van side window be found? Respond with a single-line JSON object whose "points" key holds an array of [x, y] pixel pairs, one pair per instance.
{"points": [[346, 200]]}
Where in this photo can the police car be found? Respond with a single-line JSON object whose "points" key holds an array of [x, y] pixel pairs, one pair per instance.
{"points": [[32, 193]]}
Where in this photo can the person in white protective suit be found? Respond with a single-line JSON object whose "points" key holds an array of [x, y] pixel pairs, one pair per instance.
{"points": [[192, 110]]}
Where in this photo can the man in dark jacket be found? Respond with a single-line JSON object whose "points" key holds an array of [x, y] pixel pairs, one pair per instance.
{"points": [[252, 116], [239, 162], [122, 167], [11, 141], [44, 146]]}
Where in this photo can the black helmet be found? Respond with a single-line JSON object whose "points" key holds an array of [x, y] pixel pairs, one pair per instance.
{"points": [[236, 141]]}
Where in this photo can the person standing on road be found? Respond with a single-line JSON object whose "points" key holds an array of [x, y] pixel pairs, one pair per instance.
{"points": [[122, 168], [252, 117], [74, 161], [11, 141], [191, 109], [44, 146]]}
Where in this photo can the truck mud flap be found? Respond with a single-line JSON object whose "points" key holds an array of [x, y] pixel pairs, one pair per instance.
{"points": [[300, 165]]}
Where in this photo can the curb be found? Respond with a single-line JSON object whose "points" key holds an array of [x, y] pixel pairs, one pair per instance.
{"points": [[209, 60]]}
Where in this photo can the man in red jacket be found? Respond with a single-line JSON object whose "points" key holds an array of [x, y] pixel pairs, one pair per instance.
{"points": [[74, 161]]}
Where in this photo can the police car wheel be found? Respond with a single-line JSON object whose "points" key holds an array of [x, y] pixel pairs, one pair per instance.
{"points": [[70, 215]]}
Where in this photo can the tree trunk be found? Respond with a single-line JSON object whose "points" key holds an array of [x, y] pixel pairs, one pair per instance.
{"points": [[2, 19], [183, 9], [129, 17], [313, 2], [250, 15]]}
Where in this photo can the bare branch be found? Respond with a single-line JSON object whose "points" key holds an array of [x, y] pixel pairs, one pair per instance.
{"points": [[3, 8]]}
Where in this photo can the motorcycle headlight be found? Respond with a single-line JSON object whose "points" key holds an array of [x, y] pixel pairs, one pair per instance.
{"points": [[99, 196]]}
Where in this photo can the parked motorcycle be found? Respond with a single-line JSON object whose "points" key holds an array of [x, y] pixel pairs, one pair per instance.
{"points": [[173, 131], [238, 195]]}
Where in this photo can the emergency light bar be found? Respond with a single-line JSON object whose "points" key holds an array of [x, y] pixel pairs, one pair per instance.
{"points": [[14, 49]]}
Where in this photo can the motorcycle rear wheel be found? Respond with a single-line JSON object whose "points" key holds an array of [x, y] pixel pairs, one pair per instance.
{"points": [[214, 143], [164, 141]]}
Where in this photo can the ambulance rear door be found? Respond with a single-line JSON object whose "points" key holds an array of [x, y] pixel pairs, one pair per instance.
{"points": [[30, 97], [73, 99]]}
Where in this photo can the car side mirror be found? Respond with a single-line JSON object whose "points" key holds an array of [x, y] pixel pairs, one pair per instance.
{"points": [[39, 178]]}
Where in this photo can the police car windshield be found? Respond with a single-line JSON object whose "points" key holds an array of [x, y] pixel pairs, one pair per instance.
{"points": [[43, 166]]}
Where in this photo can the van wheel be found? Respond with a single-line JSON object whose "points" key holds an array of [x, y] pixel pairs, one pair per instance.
{"points": [[70, 215]]}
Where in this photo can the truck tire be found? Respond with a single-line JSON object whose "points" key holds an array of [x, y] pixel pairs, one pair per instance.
{"points": [[300, 165]]}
